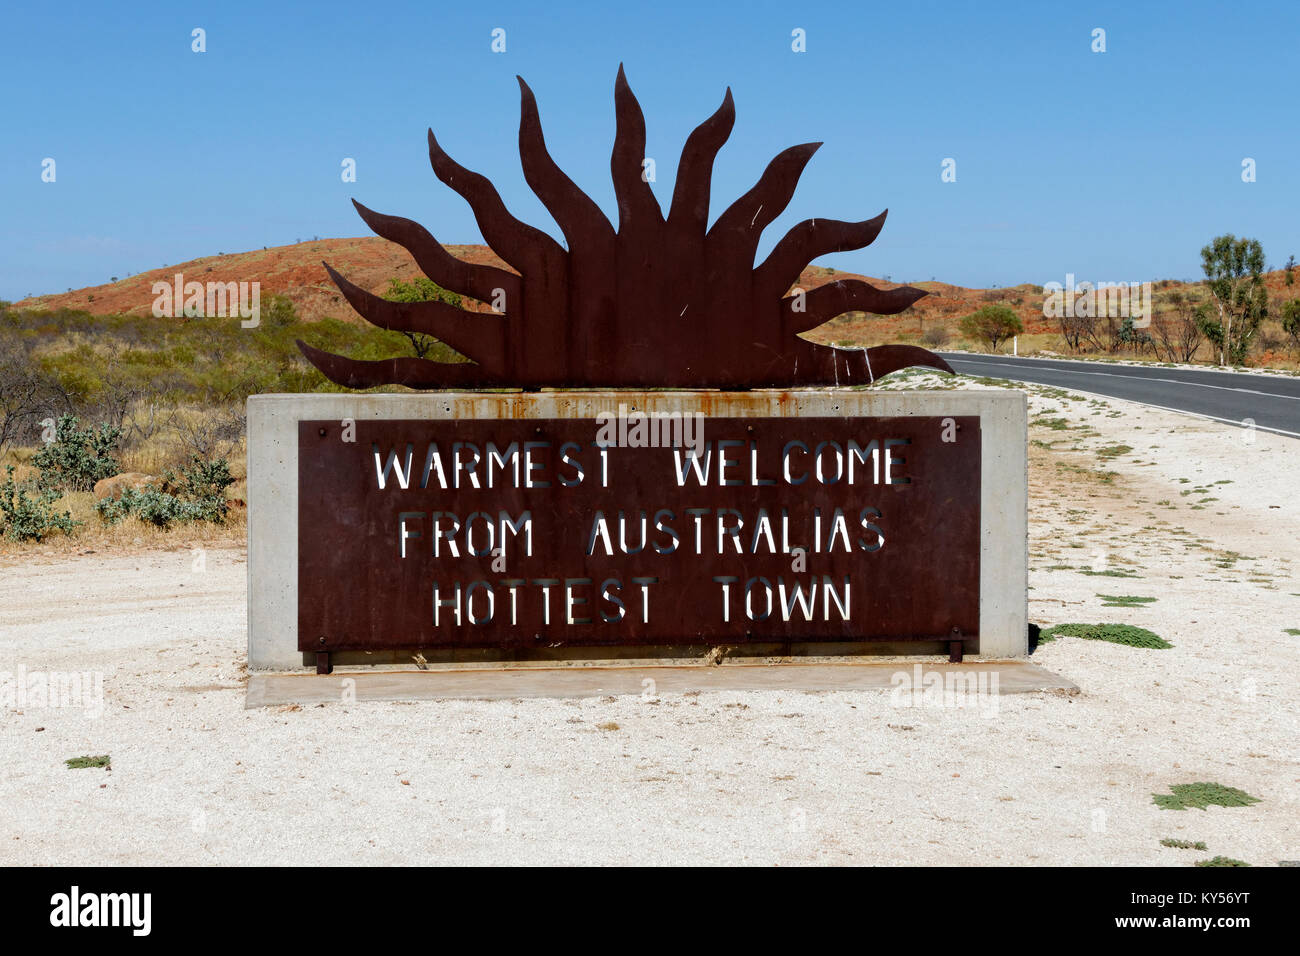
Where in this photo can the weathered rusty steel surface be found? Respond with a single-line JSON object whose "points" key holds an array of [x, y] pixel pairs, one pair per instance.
{"points": [[659, 300], [890, 552]]}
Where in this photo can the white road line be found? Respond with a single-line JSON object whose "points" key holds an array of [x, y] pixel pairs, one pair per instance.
{"points": [[1141, 378], [1066, 365], [1215, 418], [1166, 408]]}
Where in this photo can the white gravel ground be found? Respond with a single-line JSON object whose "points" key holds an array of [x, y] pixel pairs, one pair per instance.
{"points": [[764, 778]]}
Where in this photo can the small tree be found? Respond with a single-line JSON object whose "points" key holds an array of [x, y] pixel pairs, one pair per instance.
{"points": [[1178, 335], [421, 289], [1234, 270], [1291, 321], [23, 390], [992, 324], [1131, 336], [1078, 331]]}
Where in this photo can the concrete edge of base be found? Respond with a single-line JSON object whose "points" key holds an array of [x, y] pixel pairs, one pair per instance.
{"points": [[951, 685]]}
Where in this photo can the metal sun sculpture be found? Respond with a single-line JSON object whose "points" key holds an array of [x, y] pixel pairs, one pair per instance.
{"points": [[661, 302]]}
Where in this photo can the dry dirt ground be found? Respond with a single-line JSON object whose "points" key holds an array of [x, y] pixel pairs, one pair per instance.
{"points": [[1190, 513]]}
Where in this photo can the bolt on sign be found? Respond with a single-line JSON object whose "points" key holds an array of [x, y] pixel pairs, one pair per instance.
{"points": [[553, 533]]}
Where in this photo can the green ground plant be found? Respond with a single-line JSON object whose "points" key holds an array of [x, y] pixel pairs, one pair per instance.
{"points": [[1221, 861], [1182, 844], [1125, 634], [1125, 600], [1109, 573], [87, 763], [1201, 796]]}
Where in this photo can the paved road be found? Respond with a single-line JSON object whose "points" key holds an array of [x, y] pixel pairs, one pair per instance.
{"points": [[1272, 402]]}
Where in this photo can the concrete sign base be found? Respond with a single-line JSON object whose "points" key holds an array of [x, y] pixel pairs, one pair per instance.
{"points": [[369, 559]]}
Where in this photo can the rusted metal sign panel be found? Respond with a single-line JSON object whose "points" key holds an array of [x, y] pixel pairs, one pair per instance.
{"points": [[527, 533], [658, 297]]}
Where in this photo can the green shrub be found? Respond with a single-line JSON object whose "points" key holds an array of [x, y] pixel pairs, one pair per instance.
{"points": [[27, 513], [76, 459], [156, 507], [277, 312], [1221, 861], [198, 493], [204, 481], [992, 325]]}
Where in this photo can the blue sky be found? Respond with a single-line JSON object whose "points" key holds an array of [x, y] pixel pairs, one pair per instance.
{"points": [[1115, 166]]}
